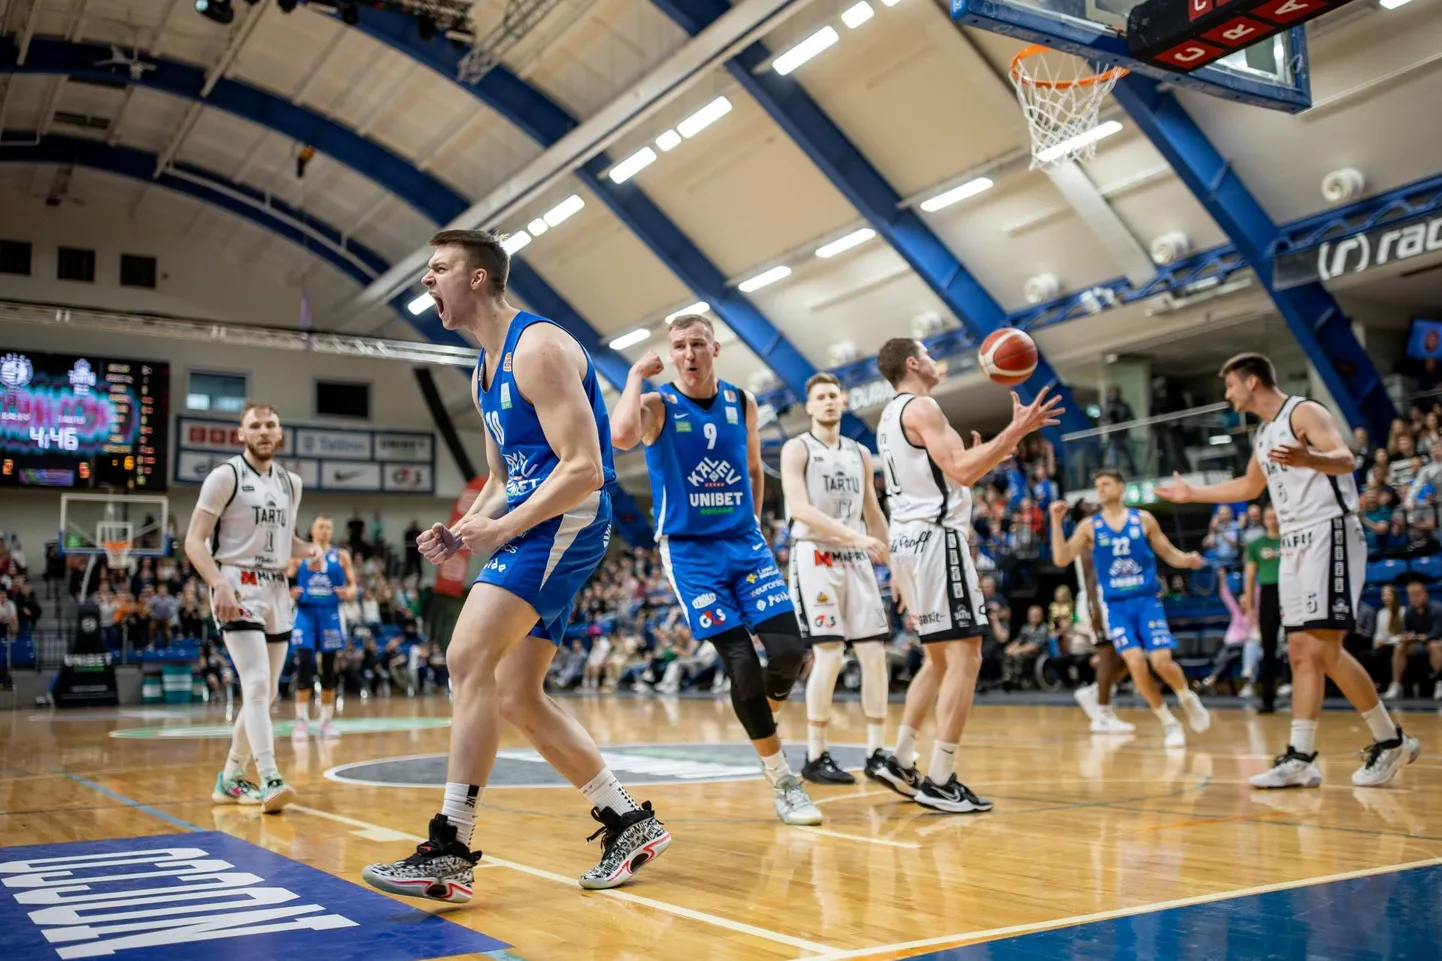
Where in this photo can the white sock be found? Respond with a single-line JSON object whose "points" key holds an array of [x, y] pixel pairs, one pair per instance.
{"points": [[459, 808], [1164, 715], [1383, 728], [875, 736], [604, 791], [943, 762], [327, 712], [815, 741], [776, 766], [258, 674], [234, 765], [906, 746], [1304, 736], [302, 711]]}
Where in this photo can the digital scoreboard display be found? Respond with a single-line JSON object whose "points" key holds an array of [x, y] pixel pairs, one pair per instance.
{"points": [[78, 420]]}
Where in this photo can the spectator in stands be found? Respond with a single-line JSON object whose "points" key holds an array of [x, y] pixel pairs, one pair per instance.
{"points": [[17, 556], [9, 619], [190, 615], [1404, 463], [1043, 488], [27, 605], [1421, 520], [1242, 643], [162, 610], [1381, 469], [1376, 523], [1399, 427], [1431, 433], [1261, 599], [410, 551], [1252, 526], [1362, 451], [1223, 543], [1421, 625], [378, 529], [1033, 639], [355, 529]]}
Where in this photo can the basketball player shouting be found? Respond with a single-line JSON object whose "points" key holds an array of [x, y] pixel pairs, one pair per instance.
{"points": [[320, 587], [544, 520], [1124, 544], [1301, 459], [240, 539], [929, 475], [826, 479], [704, 457]]}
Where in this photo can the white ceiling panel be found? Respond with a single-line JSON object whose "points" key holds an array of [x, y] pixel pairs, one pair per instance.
{"points": [[149, 120], [27, 94], [478, 153]]}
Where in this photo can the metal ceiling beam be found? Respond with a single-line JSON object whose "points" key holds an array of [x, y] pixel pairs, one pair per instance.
{"points": [[1311, 312], [547, 122], [819, 137]]}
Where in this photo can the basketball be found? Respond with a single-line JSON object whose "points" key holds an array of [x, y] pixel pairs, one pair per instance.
{"points": [[1008, 356]]}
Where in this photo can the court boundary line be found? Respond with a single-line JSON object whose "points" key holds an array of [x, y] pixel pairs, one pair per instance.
{"points": [[1036, 927], [689, 913], [132, 803]]}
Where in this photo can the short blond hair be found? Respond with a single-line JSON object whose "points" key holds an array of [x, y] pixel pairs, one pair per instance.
{"points": [[691, 320], [251, 405], [821, 378]]}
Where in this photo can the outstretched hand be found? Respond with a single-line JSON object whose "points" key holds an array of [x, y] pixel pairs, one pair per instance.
{"points": [[1042, 412], [1177, 492]]}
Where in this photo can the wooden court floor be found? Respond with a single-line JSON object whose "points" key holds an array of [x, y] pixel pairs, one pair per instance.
{"points": [[1085, 828]]}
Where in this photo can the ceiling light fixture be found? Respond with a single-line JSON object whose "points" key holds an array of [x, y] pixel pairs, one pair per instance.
{"points": [[700, 307], [630, 340], [956, 194], [704, 117], [421, 304], [844, 244], [564, 210], [856, 15], [515, 241], [632, 165], [538, 227], [668, 141], [805, 50], [763, 279]]}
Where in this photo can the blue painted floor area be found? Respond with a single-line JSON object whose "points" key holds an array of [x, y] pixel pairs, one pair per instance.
{"points": [[1397, 917], [207, 895]]}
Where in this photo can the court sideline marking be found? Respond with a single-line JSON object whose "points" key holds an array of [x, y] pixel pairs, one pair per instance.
{"points": [[992, 934]]}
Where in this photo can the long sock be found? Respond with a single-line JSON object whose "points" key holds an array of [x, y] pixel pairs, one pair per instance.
{"points": [[1164, 715], [1304, 736], [235, 764], [265, 753], [943, 762], [302, 710], [776, 766], [815, 741], [327, 712], [875, 736], [906, 746], [604, 791], [459, 808], [253, 665], [1383, 728]]}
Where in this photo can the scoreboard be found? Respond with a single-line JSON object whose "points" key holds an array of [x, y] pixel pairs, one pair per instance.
{"points": [[81, 421], [1185, 35]]}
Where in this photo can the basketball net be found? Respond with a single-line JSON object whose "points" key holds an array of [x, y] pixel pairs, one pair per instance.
{"points": [[117, 554], [1061, 98]]}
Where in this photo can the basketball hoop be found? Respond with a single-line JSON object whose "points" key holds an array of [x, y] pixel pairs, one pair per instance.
{"points": [[117, 554], [1061, 98]]}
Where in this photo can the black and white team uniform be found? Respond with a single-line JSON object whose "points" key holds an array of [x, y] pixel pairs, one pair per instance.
{"points": [[930, 536], [833, 585], [1324, 552]]}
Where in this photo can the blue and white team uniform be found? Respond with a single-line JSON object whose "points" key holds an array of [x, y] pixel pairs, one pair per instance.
{"points": [[317, 609], [720, 566], [547, 565], [1126, 570]]}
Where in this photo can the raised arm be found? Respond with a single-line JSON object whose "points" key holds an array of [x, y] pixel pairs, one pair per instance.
{"points": [[1248, 487], [1064, 551], [923, 418], [1169, 553], [638, 417]]}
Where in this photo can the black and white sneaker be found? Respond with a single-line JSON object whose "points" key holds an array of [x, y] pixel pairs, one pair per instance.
{"points": [[627, 841], [441, 868], [883, 768], [952, 797], [823, 770], [1383, 759]]}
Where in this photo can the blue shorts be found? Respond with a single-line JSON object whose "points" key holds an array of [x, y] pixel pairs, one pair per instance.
{"points": [[317, 628], [725, 584], [1138, 622], [549, 564]]}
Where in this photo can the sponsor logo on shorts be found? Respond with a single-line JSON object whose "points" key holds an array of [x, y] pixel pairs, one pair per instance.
{"points": [[934, 619], [703, 601], [824, 620], [910, 543], [821, 558], [823, 598]]}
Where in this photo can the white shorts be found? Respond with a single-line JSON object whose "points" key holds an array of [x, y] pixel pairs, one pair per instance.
{"points": [[1319, 582], [932, 569], [835, 594], [264, 599]]}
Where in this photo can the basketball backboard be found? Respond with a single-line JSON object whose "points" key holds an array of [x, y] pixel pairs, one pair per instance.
{"points": [[89, 521], [1271, 73]]}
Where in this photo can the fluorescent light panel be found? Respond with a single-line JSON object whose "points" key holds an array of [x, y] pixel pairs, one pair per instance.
{"points": [[1390, 4], [515, 241], [668, 141], [421, 304], [630, 340], [844, 244], [805, 50], [558, 214], [700, 307], [632, 165], [855, 16], [538, 227], [763, 279], [704, 117], [1217, 440], [1080, 140], [969, 189]]}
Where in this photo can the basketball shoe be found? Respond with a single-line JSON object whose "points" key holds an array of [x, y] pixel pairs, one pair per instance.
{"points": [[627, 842], [952, 797], [275, 794], [234, 790], [1383, 759], [1290, 769], [793, 804], [823, 770], [441, 869], [883, 768]]}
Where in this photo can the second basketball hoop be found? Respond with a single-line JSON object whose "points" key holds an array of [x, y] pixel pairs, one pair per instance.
{"points": [[1061, 98]]}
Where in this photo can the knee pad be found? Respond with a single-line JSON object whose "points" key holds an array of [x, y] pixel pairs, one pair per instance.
{"points": [[304, 669], [785, 653], [327, 671], [748, 690]]}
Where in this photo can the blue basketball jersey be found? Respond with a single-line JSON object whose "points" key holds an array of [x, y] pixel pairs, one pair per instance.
{"points": [[1124, 561], [698, 467], [318, 588], [513, 425]]}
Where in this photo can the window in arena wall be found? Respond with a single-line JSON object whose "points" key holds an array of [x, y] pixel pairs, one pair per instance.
{"points": [[74, 263], [338, 398], [137, 271], [15, 257], [215, 391]]}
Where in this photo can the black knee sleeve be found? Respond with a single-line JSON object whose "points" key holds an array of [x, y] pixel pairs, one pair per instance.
{"points": [[304, 669], [327, 671], [785, 653], [748, 690]]}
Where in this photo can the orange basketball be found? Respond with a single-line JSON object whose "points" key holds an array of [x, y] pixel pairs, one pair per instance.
{"points": [[1008, 356]]}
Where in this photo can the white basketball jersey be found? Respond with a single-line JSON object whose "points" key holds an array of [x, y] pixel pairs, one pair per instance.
{"points": [[1302, 496], [256, 514], [916, 488], [834, 484]]}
